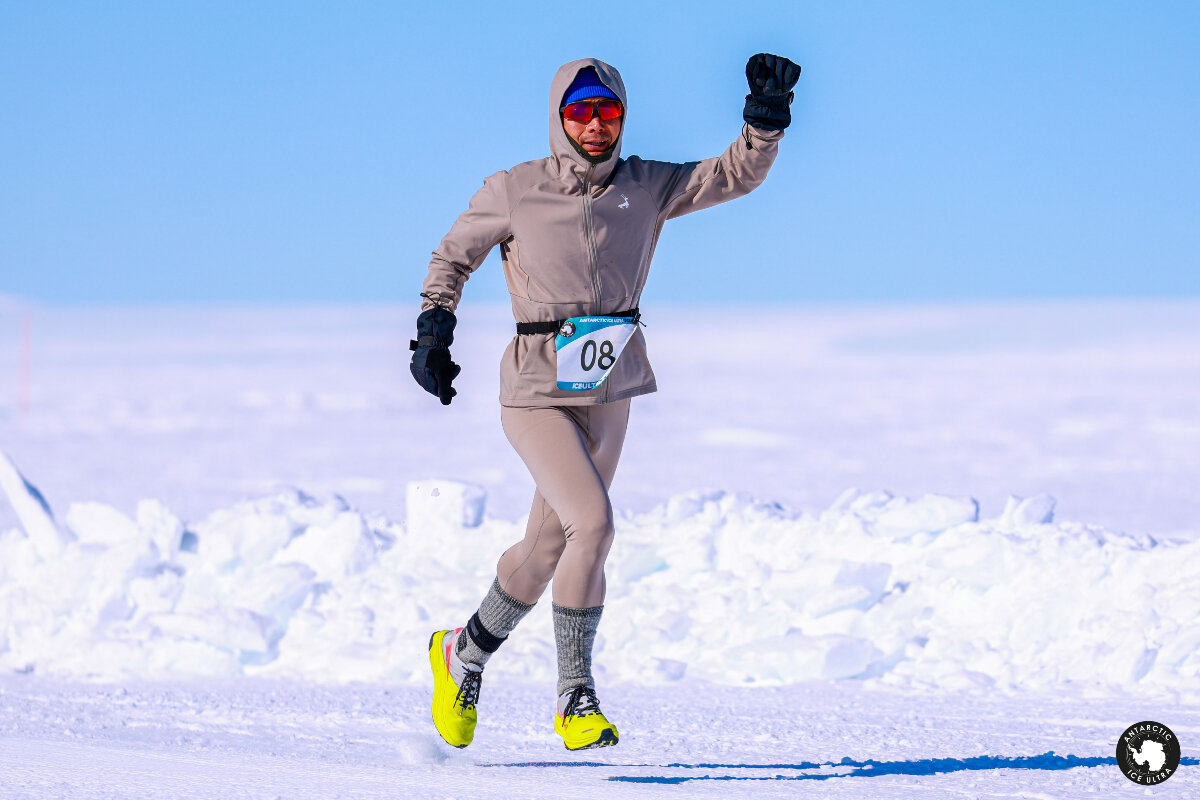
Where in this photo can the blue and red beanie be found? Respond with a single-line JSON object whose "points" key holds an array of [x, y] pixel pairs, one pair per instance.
{"points": [[587, 84]]}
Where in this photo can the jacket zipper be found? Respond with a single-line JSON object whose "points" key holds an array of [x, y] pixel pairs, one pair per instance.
{"points": [[591, 240]]}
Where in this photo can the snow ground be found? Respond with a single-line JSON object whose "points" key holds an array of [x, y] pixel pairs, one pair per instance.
{"points": [[1094, 403], [1016, 639], [268, 739]]}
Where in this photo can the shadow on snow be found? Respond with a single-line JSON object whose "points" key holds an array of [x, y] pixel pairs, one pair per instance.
{"points": [[858, 769]]}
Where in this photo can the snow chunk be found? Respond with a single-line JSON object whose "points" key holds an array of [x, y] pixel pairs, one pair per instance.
{"points": [[32, 510], [156, 522], [435, 504], [234, 629], [343, 547], [931, 515], [1036, 510], [275, 590], [98, 523], [249, 534]]}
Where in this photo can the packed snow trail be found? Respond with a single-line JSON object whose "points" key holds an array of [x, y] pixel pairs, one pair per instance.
{"points": [[253, 738]]}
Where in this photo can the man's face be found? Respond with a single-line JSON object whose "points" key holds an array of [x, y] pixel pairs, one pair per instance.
{"points": [[595, 136]]}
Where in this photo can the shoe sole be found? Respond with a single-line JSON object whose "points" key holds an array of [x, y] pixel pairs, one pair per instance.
{"points": [[433, 665], [607, 739]]}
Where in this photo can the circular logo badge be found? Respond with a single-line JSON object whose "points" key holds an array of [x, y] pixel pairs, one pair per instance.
{"points": [[567, 329], [1148, 753]]}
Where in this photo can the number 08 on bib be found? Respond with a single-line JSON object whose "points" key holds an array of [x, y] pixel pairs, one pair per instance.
{"points": [[587, 349]]}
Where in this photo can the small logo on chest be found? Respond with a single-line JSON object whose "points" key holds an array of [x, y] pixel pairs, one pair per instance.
{"points": [[625, 204]]}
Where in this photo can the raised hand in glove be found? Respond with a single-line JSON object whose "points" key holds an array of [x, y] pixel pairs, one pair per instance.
{"points": [[771, 79], [431, 365]]}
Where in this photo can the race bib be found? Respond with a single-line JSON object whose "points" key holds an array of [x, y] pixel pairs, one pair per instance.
{"points": [[588, 347]]}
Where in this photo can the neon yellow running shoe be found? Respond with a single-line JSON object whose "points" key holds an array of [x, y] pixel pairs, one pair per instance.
{"points": [[453, 700], [581, 723]]}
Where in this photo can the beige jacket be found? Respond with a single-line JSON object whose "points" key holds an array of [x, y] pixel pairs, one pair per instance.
{"points": [[577, 238]]}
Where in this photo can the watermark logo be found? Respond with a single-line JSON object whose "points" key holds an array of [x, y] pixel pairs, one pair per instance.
{"points": [[1148, 753]]}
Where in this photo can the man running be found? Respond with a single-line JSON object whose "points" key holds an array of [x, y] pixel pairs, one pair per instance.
{"points": [[576, 231]]}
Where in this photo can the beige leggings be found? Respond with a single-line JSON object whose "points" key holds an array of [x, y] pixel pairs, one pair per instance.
{"points": [[572, 453]]}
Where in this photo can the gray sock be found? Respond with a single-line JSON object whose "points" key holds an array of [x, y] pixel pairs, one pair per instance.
{"points": [[574, 633], [498, 614]]}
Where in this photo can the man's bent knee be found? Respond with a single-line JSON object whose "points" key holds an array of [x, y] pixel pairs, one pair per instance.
{"points": [[596, 536]]}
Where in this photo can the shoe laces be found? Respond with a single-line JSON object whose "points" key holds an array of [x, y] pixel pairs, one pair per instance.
{"points": [[468, 691], [581, 702]]}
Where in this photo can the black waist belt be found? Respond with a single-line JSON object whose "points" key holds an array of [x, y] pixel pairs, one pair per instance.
{"points": [[553, 326]]}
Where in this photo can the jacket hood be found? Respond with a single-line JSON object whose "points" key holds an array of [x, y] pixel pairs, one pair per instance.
{"points": [[561, 147]]}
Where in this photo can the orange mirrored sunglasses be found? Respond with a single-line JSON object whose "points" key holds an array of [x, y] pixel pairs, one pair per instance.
{"points": [[585, 110]]}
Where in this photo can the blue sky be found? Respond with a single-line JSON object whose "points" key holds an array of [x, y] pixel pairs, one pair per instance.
{"points": [[290, 152]]}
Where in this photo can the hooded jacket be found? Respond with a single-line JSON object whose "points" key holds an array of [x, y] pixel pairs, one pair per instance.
{"points": [[576, 238]]}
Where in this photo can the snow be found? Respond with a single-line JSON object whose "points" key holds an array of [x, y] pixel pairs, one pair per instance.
{"points": [[712, 585], [31, 509], [253, 738], [1091, 402], [227, 536]]}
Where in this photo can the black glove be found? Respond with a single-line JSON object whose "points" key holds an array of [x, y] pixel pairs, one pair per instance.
{"points": [[771, 79], [431, 365]]}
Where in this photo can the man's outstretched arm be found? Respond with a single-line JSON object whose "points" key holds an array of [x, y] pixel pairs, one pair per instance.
{"points": [[744, 165]]}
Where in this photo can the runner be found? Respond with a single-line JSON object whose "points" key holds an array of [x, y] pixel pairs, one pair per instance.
{"points": [[576, 233]]}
